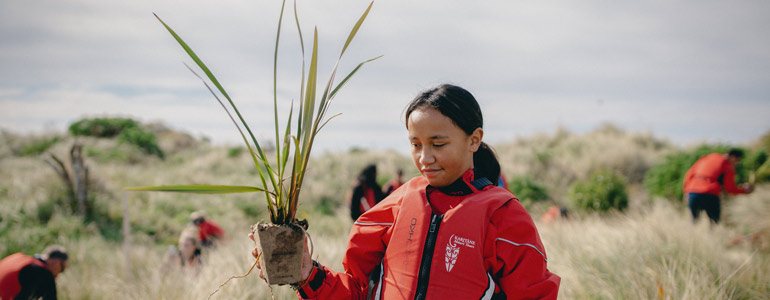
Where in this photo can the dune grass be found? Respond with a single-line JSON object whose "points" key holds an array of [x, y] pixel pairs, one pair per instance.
{"points": [[651, 251]]}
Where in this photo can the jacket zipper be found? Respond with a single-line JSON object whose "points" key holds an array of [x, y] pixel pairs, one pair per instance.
{"points": [[427, 257]]}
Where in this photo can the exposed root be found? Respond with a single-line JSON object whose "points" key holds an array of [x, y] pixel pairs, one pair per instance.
{"points": [[235, 276], [312, 248]]}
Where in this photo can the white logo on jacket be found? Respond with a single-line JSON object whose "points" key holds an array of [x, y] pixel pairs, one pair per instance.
{"points": [[453, 250]]}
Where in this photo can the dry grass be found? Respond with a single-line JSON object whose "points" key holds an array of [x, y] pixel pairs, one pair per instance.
{"points": [[558, 159], [636, 255], [653, 253]]}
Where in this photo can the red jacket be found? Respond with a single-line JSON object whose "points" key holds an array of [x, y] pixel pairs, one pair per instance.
{"points": [[486, 240], [364, 197], [208, 230], [393, 185], [9, 273], [706, 174]]}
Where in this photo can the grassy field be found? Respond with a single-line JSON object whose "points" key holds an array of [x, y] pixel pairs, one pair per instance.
{"points": [[651, 251]]}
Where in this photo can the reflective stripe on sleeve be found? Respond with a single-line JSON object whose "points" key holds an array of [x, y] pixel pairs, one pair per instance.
{"points": [[490, 289], [371, 224], [524, 244]]}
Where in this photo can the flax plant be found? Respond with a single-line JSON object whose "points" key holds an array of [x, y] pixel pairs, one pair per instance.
{"points": [[281, 186]]}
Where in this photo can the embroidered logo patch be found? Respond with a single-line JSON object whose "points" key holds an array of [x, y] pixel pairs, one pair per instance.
{"points": [[453, 250]]}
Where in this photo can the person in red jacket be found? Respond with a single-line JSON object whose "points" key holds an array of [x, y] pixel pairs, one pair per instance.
{"points": [[394, 183], [366, 194], [447, 234], [704, 181], [32, 277], [209, 231]]}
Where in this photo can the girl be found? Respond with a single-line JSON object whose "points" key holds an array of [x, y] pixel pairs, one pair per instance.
{"points": [[448, 234]]}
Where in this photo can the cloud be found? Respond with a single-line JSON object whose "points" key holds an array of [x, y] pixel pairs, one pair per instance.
{"points": [[689, 70]]}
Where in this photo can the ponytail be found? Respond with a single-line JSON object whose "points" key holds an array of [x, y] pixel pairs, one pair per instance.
{"points": [[485, 163]]}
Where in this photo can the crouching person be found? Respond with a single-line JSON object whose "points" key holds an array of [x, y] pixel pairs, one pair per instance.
{"points": [[32, 277]]}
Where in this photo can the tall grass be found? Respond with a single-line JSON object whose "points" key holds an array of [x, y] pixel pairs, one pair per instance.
{"points": [[653, 253], [634, 255]]}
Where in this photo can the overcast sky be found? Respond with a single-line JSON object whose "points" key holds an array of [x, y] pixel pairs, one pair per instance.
{"points": [[688, 71]]}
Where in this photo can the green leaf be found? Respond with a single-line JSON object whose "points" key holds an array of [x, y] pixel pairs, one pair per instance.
{"points": [[275, 89], [344, 81], [355, 28], [198, 189], [310, 92], [326, 94]]}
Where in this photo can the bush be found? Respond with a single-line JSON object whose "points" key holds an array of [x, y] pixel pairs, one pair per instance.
{"points": [[127, 130], [234, 151], [36, 146], [101, 127], [327, 206], [603, 191], [763, 172], [527, 190], [754, 160], [757, 163], [145, 140]]}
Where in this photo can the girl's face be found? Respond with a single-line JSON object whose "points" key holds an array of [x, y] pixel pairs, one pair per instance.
{"points": [[440, 150]]}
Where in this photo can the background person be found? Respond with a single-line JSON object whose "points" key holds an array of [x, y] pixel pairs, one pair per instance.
{"points": [[209, 232], [448, 234], [394, 183], [704, 181], [187, 257], [367, 193], [32, 277]]}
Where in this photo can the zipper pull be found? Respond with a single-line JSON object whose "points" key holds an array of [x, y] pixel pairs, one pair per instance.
{"points": [[433, 224]]}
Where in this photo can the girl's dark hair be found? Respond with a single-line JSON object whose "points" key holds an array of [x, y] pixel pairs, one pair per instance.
{"points": [[368, 175], [461, 107]]}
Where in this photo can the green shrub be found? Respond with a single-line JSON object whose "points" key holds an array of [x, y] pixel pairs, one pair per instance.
{"points": [[249, 209], [45, 211], [757, 163], [127, 130], [36, 146], [234, 151], [603, 191], [754, 160], [763, 172], [145, 140], [527, 190], [101, 127], [327, 206]]}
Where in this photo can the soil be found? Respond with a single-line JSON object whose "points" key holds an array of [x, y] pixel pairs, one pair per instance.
{"points": [[282, 247]]}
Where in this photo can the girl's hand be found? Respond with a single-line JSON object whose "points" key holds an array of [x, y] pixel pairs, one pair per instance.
{"points": [[307, 262]]}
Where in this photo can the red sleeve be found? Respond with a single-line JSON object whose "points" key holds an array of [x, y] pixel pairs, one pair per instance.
{"points": [[729, 179], [216, 230], [520, 263], [368, 238], [210, 228]]}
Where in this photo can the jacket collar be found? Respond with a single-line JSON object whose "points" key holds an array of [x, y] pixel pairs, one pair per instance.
{"points": [[461, 187]]}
